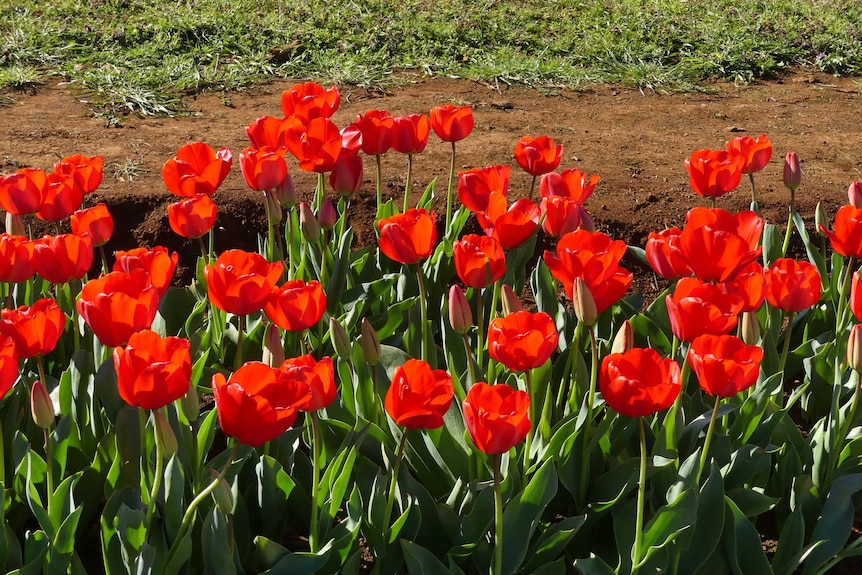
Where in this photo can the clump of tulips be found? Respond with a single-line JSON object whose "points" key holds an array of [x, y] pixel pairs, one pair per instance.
{"points": [[402, 408]]}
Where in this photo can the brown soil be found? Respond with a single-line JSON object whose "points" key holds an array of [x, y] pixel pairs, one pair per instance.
{"points": [[636, 141]]}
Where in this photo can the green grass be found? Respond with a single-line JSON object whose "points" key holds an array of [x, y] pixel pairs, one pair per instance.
{"points": [[144, 55]]}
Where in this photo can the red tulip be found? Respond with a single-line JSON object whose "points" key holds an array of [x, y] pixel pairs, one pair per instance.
{"points": [[594, 257], [351, 138], [309, 101], [419, 396], [560, 215], [317, 147], [408, 237], [479, 260], [95, 222], [272, 132], [8, 366], [258, 403], [716, 244], [240, 282], [22, 191], [346, 176], [158, 262], [538, 156], [192, 217], [724, 364], [511, 225], [522, 340], [571, 184], [35, 329], [664, 256], [750, 285], [792, 285], [452, 123], [713, 173], [756, 151], [697, 308], [118, 304], [377, 128], [296, 305], [846, 234], [855, 296], [854, 194], [60, 199], [476, 186], [410, 133], [319, 376], [196, 169], [497, 417], [792, 171], [87, 171], [62, 258], [639, 382], [16, 258], [263, 168], [153, 371]]}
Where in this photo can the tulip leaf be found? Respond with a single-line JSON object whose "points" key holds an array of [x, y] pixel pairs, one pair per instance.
{"points": [[752, 502], [593, 566], [36, 547], [217, 544], [420, 561], [516, 263], [63, 545], [552, 543], [297, 564], [475, 523], [521, 515], [668, 523], [791, 545], [274, 487], [63, 501], [268, 553], [338, 280], [835, 523], [708, 524], [175, 502], [111, 543], [772, 243], [175, 308], [615, 484], [206, 435], [105, 388], [814, 254], [741, 542]]}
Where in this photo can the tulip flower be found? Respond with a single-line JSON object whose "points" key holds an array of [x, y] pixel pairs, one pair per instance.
{"points": [[272, 132], [639, 382], [538, 156], [62, 258], [756, 151], [240, 282], [22, 191], [522, 340], [309, 101], [96, 222], [496, 417], [158, 262], [511, 225], [257, 403], [560, 215], [16, 258], [419, 396], [846, 234], [296, 305], [153, 371], [479, 260], [346, 176], [571, 184], [854, 194], [263, 168], [35, 329], [664, 256], [750, 285], [196, 169], [319, 376], [792, 285], [724, 365], [86, 171], [377, 128], [118, 304], [192, 217], [460, 315], [713, 173], [452, 123], [9, 366], [41, 406], [409, 237], [854, 349], [327, 216], [855, 295], [792, 171], [697, 308], [716, 244], [476, 186], [317, 147], [61, 197], [410, 133]]}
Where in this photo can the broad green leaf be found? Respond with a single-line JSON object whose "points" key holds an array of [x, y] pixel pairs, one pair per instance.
{"points": [[835, 522], [741, 543], [552, 542], [217, 541], [36, 546], [708, 524], [668, 523], [521, 515]]}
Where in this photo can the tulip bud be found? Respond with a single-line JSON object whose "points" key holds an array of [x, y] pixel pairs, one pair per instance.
{"points": [[308, 223], [191, 403], [585, 303], [750, 329], [327, 215], [41, 406], [460, 316], [821, 219], [273, 208], [222, 494], [854, 348], [511, 302], [273, 348], [14, 225], [165, 434], [625, 338], [369, 342], [792, 171], [340, 340], [854, 194], [285, 193]]}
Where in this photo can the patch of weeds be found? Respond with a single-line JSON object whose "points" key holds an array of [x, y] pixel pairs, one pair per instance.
{"points": [[128, 170], [20, 77]]}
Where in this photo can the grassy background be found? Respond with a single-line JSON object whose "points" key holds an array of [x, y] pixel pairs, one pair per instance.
{"points": [[144, 55]]}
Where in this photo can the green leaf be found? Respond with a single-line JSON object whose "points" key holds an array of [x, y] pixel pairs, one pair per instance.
{"points": [[420, 561], [63, 546], [835, 522], [217, 539], [36, 546], [175, 308], [206, 435], [668, 523], [522, 514], [708, 524], [593, 566], [105, 387], [115, 560], [297, 564], [741, 542], [552, 543], [274, 487]]}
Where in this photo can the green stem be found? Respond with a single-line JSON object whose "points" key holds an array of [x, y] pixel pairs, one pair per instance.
{"points": [[379, 185], [528, 379], [574, 354], [203, 249], [2, 456], [842, 297], [498, 517], [269, 228], [291, 258], [104, 259], [753, 195], [423, 314], [636, 549], [480, 329], [409, 181], [49, 463], [393, 485], [532, 188], [239, 337], [588, 427], [315, 482], [319, 193], [449, 191], [471, 362], [785, 351], [706, 443], [157, 478]]}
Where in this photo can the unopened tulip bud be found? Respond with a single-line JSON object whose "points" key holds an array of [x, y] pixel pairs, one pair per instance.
{"points": [[285, 193], [41, 406], [165, 434], [369, 342], [308, 223], [511, 301], [821, 219], [460, 316], [750, 329], [14, 225], [273, 208], [854, 348], [625, 338], [327, 215], [222, 493], [191, 403], [273, 348], [792, 171], [340, 340], [854, 194], [585, 303]]}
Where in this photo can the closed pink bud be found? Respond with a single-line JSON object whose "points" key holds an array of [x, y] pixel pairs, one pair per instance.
{"points": [[327, 215], [41, 406], [273, 349], [511, 301], [460, 316], [308, 223], [854, 194], [625, 338], [792, 171], [854, 348], [585, 303]]}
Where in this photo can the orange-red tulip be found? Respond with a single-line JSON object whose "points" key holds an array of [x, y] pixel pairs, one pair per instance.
{"points": [[855, 295], [272, 132], [479, 260], [60, 199], [452, 123], [310, 100], [87, 171], [846, 234], [538, 156], [750, 285], [346, 176], [419, 396], [240, 282], [408, 237], [522, 340], [62, 258], [697, 308], [724, 365], [664, 256], [263, 168], [196, 169], [716, 244], [571, 184], [158, 262], [319, 376], [377, 128], [639, 382], [792, 285], [35, 329], [296, 305], [497, 417], [95, 222], [8, 366], [476, 186], [713, 173], [410, 133], [560, 215], [118, 304], [16, 258], [192, 217], [153, 371], [510, 224], [756, 151], [22, 191], [317, 147]]}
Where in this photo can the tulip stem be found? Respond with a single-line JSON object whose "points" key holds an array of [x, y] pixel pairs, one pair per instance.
{"points": [[270, 254], [532, 188], [842, 297], [390, 500], [203, 249], [706, 443], [575, 354], [315, 481], [636, 548], [786, 245], [531, 411], [157, 478], [409, 181], [189, 515], [49, 462], [289, 238], [498, 517], [343, 206], [785, 351], [588, 426], [480, 328], [753, 195], [423, 314], [239, 326], [320, 193], [379, 185], [449, 191], [471, 363]]}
